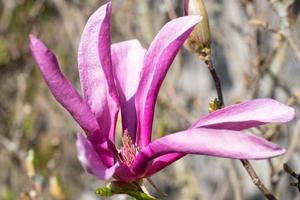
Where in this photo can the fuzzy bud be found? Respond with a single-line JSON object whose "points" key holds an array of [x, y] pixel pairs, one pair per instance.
{"points": [[214, 105], [199, 41]]}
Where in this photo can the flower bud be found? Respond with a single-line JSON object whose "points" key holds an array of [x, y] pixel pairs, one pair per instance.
{"points": [[214, 105], [199, 41]]}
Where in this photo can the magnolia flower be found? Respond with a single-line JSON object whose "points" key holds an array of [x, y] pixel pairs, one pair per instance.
{"points": [[124, 76]]}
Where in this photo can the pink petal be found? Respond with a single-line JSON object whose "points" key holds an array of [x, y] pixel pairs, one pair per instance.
{"points": [[95, 70], [61, 88], [127, 58], [211, 142], [91, 160], [124, 173], [162, 162], [158, 59], [236, 117], [247, 115]]}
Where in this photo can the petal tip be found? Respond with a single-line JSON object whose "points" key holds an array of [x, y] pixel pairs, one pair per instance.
{"points": [[281, 151], [277, 152], [273, 150], [32, 37], [108, 8], [292, 113], [36, 45], [33, 40]]}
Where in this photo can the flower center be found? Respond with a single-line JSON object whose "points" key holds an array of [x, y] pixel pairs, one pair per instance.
{"points": [[128, 151]]}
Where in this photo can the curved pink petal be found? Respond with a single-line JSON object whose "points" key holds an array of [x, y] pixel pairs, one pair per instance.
{"points": [[91, 160], [158, 59], [236, 117], [162, 162], [211, 142], [95, 70], [127, 59], [61, 88], [247, 115]]}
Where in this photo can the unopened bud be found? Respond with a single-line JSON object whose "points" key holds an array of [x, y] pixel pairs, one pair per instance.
{"points": [[199, 41], [214, 105]]}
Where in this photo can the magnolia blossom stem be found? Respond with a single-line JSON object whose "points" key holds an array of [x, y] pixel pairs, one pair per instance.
{"points": [[247, 165], [257, 181], [217, 81]]}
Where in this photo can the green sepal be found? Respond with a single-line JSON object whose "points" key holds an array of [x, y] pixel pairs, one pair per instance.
{"points": [[140, 195], [118, 187], [104, 192], [214, 105]]}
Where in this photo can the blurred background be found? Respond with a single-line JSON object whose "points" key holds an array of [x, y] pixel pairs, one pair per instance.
{"points": [[256, 51]]}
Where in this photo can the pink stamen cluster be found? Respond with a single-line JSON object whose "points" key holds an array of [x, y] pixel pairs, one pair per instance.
{"points": [[128, 151]]}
